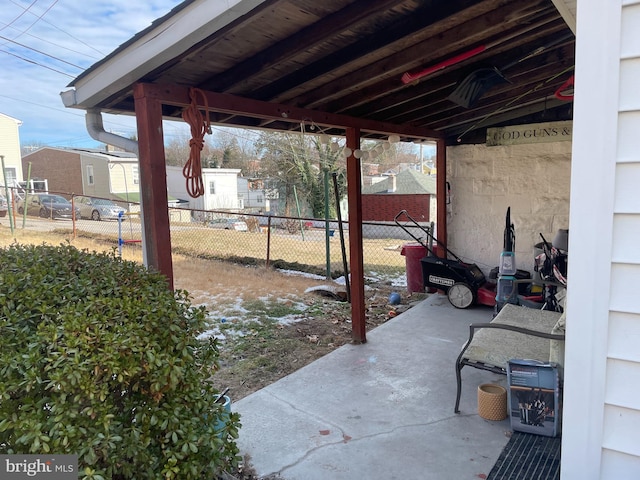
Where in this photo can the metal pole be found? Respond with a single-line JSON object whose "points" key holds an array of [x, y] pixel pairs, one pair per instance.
{"points": [[120, 240], [6, 193], [26, 197], [327, 237], [268, 239], [295, 195], [344, 252]]}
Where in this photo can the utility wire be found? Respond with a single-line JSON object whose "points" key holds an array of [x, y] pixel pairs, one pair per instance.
{"points": [[36, 63], [56, 27], [41, 52], [25, 10]]}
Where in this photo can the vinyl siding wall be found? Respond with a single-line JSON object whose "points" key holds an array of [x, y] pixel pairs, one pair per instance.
{"points": [[622, 389], [10, 145], [602, 364]]}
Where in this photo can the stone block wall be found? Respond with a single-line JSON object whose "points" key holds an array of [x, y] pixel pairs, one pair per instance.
{"points": [[532, 179]]}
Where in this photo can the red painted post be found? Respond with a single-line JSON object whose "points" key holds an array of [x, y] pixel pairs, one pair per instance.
{"points": [[354, 193], [153, 183], [441, 195]]}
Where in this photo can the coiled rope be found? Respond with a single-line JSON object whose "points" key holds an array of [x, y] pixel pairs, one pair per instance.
{"points": [[199, 125]]}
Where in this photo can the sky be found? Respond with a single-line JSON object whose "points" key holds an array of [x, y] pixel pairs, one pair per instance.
{"points": [[45, 44]]}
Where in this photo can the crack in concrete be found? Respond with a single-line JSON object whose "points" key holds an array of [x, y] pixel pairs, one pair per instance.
{"points": [[344, 435]]}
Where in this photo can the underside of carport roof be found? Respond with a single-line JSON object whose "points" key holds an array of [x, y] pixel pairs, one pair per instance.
{"points": [[362, 69]]}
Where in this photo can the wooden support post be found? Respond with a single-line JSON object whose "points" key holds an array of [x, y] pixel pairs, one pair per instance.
{"points": [[441, 194], [354, 193], [153, 183]]}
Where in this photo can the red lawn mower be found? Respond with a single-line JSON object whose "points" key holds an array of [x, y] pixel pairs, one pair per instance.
{"points": [[464, 283]]}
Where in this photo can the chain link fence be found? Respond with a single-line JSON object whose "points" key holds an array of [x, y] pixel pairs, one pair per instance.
{"points": [[304, 244]]}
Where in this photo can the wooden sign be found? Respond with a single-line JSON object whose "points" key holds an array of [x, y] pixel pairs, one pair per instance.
{"points": [[532, 133]]}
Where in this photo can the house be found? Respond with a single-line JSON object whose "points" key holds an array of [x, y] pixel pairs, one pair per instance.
{"points": [[251, 194], [220, 189], [409, 190], [92, 172], [10, 149]]}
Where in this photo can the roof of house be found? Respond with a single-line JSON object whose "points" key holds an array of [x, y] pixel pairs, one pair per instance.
{"points": [[92, 151], [19, 122], [408, 182]]}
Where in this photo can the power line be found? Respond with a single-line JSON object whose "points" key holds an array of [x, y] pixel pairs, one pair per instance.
{"points": [[56, 44], [37, 19], [58, 28], [41, 53], [25, 10], [36, 63]]}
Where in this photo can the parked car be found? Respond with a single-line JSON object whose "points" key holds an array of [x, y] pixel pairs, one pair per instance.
{"points": [[99, 208], [3, 206], [47, 206], [229, 224]]}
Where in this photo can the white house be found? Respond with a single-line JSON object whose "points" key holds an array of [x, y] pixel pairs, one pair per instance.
{"points": [[220, 188], [251, 194], [10, 150]]}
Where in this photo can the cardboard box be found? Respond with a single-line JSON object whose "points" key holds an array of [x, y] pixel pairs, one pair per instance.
{"points": [[535, 397]]}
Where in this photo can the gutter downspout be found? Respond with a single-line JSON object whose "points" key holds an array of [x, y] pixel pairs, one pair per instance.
{"points": [[96, 130]]}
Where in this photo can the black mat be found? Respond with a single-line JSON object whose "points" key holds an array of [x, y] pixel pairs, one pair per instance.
{"points": [[528, 457]]}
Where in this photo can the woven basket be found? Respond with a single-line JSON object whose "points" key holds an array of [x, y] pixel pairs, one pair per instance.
{"points": [[492, 402]]}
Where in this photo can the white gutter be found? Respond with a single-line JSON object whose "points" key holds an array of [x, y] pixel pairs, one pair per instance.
{"points": [[96, 130]]}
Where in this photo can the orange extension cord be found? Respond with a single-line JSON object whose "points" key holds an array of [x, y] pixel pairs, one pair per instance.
{"points": [[199, 125]]}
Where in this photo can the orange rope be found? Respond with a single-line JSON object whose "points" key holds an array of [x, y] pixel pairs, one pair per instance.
{"points": [[192, 170]]}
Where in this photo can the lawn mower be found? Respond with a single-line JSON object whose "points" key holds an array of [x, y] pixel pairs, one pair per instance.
{"points": [[464, 283]]}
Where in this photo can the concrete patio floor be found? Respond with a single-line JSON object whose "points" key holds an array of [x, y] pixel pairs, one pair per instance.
{"points": [[381, 410]]}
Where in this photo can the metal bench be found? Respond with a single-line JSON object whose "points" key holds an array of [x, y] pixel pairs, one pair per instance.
{"points": [[516, 332]]}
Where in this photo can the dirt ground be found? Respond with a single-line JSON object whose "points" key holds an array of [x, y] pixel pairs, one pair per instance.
{"points": [[269, 325], [274, 327]]}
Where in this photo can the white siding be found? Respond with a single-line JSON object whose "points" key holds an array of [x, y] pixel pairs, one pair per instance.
{"points": [[10, 145], [602, 371], [226, 188]]}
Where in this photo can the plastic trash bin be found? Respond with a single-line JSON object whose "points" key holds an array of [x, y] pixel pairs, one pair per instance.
{"points": [[413, 253]]}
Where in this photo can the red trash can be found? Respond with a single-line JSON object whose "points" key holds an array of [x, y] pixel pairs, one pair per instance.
{"points": [[413, 253]]}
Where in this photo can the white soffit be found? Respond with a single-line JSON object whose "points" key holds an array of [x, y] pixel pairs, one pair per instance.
{"points": [[174, 36], [567, 9]]}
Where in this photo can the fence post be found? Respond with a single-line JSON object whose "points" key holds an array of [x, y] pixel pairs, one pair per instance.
{"points": [[268, 239], [327, 238]]}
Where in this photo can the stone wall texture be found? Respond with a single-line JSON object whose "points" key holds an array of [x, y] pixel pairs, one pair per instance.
{"points": [[532, 179]]}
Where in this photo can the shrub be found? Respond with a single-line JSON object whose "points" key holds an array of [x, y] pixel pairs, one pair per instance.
{"points": [[99, 358]]}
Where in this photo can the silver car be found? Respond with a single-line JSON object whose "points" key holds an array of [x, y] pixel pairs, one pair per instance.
{"points": [[98, 208]]}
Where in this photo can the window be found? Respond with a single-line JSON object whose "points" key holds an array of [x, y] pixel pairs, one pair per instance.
{"points": [[259, 199], [212, 188], [11, 175], [135, 174], [90, 177]]}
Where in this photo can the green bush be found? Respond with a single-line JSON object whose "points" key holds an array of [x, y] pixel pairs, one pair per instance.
{"points": [[99, 358]]}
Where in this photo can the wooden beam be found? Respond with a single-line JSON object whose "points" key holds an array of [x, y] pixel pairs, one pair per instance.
{"points": [[401, 35], [334, 24], [226, 103], [153, 183], [383, 77], [354, 194]]}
